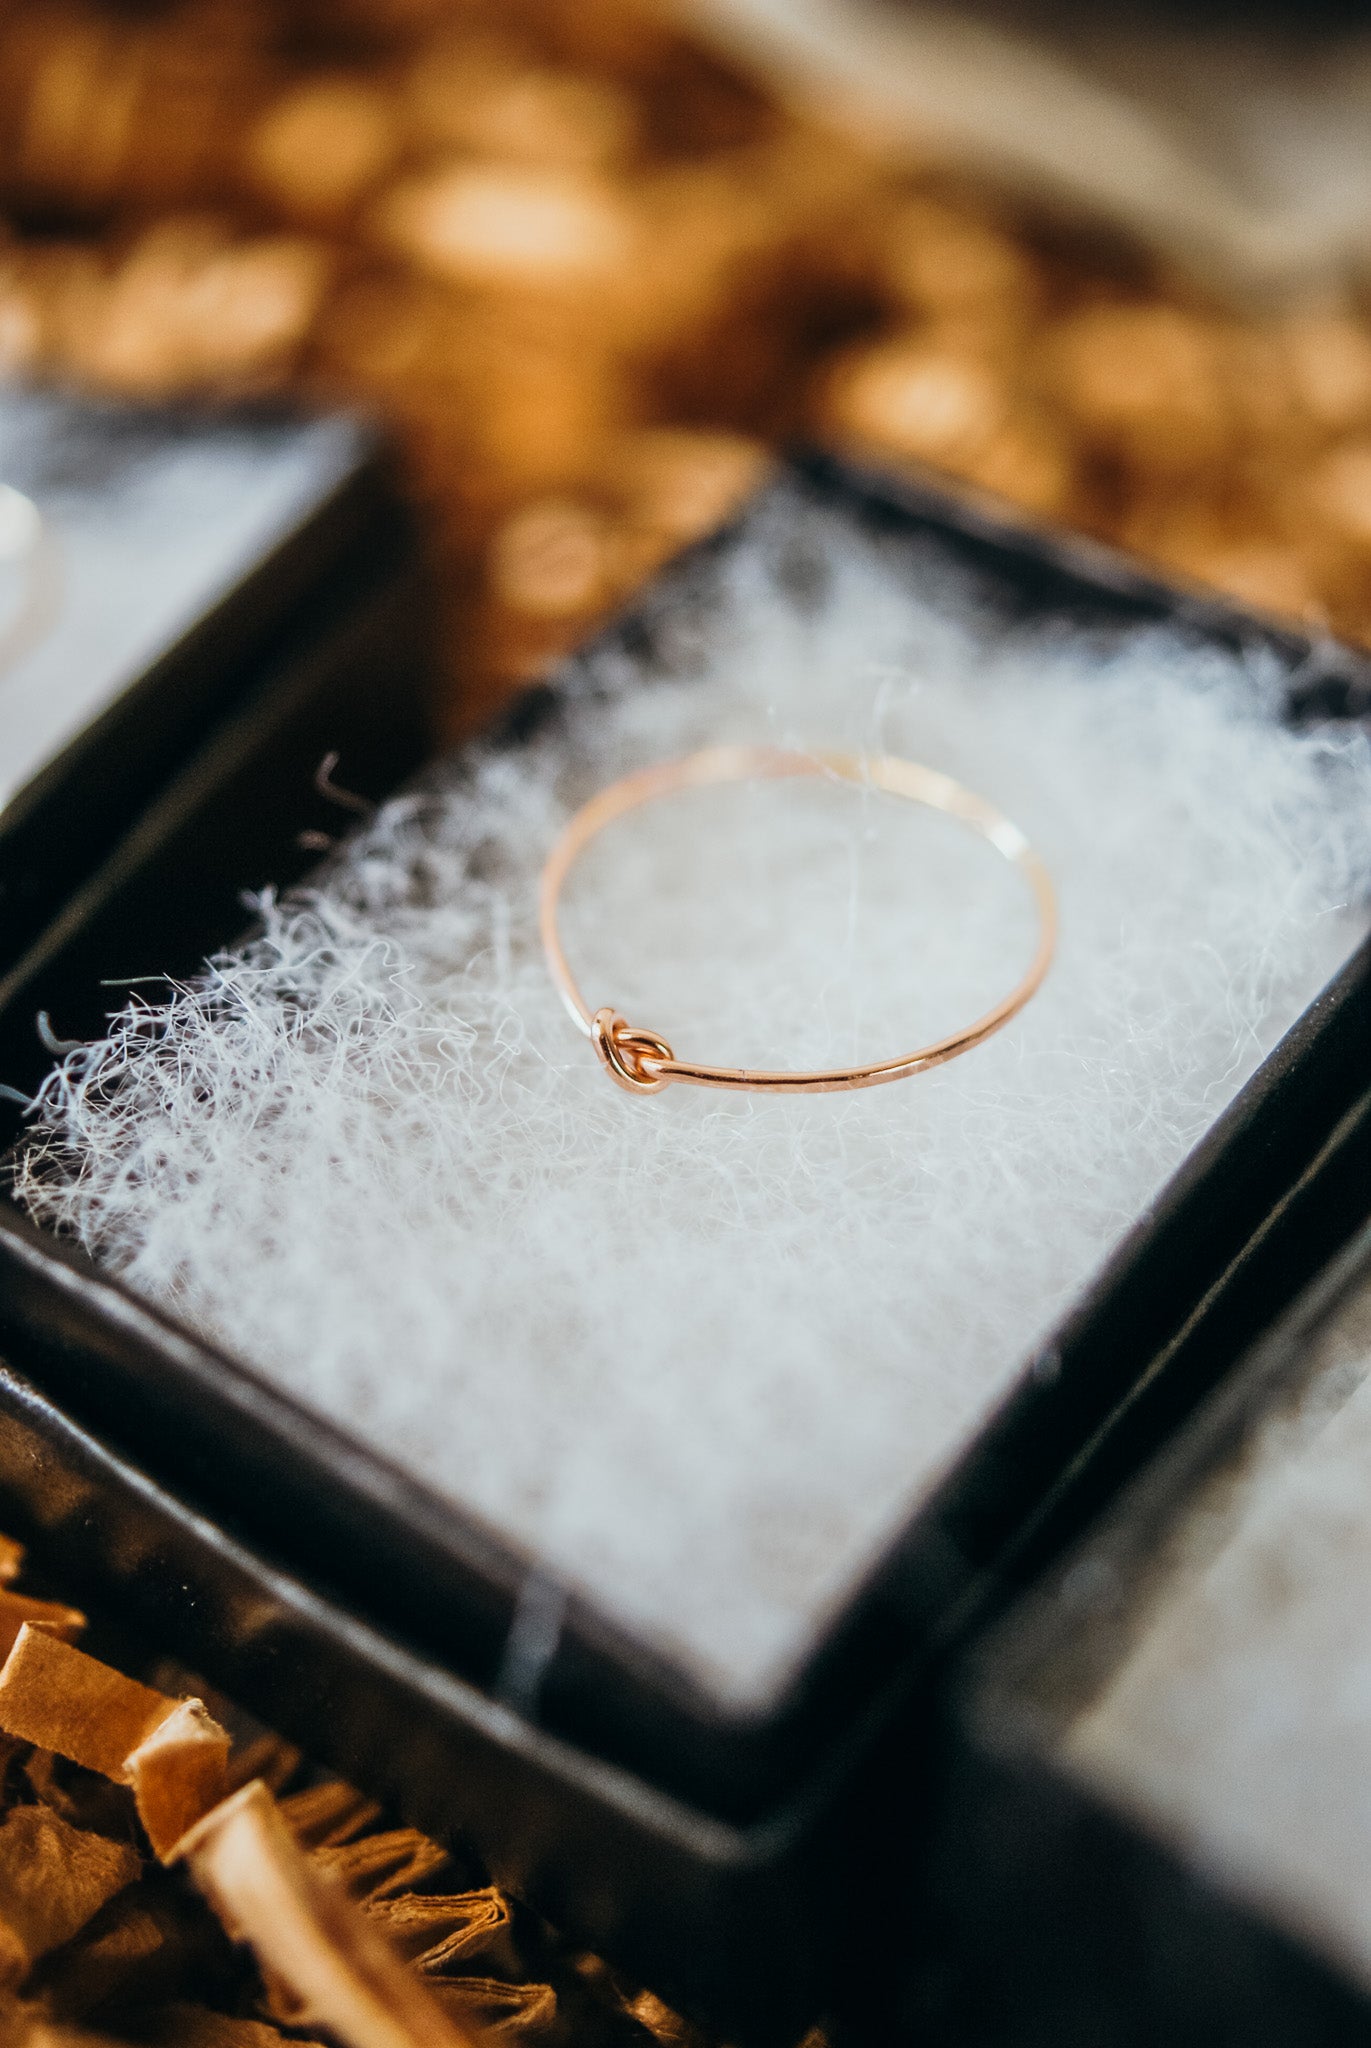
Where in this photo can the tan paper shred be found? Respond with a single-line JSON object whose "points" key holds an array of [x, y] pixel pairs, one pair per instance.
{"points": [[324, 1816], [436, 1932], [172, 1753], [307, 1933], [381, 1866], [110, 1957], [178, 1772], [53, 1879], [60, 1699], [153, 1941], [23, 2028], [498, 2011], [348, 1941], [665, 2026], [82, 1797], [16, 1609], [270, 1758], [190, 2026]]}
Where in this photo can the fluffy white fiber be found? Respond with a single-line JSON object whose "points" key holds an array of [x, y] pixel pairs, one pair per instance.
{"points": [[1241, 1720], [700, 1353]]}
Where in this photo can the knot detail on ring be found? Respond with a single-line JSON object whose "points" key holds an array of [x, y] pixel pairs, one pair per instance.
{"points": [[622, 1049]]}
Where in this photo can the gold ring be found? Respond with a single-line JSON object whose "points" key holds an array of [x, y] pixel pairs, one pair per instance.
{"points": [[641, 1061]]}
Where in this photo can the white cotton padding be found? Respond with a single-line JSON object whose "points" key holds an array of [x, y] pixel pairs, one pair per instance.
{"points": [[701, 1354], [1240, 1721]]}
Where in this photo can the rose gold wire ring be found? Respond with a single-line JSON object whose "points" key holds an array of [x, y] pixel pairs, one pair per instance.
{"points": [[642, 1061]]}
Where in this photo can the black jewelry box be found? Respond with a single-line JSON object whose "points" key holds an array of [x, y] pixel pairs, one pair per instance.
{"points": [[1050, 1909], [749, 1868], [179, 552], [232, 598]]}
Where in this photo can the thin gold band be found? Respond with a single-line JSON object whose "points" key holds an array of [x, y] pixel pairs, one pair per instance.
{"points": [[641, 1061]]}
